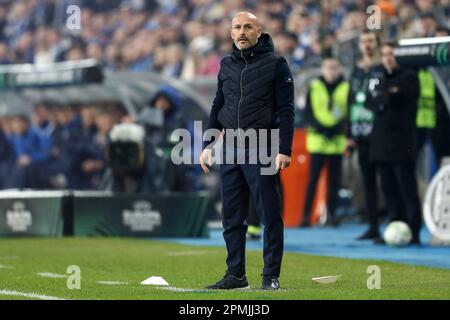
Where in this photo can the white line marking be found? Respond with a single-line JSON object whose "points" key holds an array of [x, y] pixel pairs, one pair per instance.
{"points": [[175, 289], [247, 289], [28, 295], [112, 282], [2, 266], [9, 257], [186, 253], [51, 275]]}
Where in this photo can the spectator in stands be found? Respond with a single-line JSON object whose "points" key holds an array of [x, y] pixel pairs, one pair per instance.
{"points": [[7, 159], [40, 120], [428, 24], [90, 156], [173, 63], [5, 56], [32, 153], [127, 34], [443, 13]]}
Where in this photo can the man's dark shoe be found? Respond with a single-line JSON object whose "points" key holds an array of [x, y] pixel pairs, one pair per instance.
{"points": [[230, 281], [369, 234], [379, 240], [270, 283], [415, 241]]}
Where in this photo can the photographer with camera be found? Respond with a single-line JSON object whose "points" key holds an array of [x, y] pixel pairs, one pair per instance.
{"points": [[139, 153]]}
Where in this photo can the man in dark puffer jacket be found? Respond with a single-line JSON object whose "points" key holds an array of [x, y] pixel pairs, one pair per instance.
{"points": [[255, 91], [393, 145]]}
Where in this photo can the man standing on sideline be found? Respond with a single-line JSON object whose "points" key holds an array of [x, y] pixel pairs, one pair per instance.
{"points": [[326, 110], [360, 124], [255, 91], [393, 143]]}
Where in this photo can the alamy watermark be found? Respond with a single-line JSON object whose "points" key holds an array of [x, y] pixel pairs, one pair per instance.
{"points": [[74, 278], [374, 280], [232, 146], [73, 21], [373, 22]]}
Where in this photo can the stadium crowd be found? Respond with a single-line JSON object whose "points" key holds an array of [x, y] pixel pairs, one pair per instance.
{"points": [[187, 38], [63, 146]]}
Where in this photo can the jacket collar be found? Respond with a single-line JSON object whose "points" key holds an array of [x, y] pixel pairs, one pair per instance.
{"points": [[262, 47]]}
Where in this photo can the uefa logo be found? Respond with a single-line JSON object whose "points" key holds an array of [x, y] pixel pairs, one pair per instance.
{"points": [[436, 206]]}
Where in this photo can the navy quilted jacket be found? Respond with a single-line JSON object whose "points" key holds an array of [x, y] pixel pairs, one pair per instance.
{"points": [[255, 90]]}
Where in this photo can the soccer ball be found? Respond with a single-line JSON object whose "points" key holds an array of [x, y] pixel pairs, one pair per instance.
{"points": [[397, 233]]}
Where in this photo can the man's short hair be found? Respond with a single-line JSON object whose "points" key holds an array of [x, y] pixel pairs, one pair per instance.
{"points": [[369, 31], [388, 43], [21, 116], [442, 29], [426, 15], [328, 56]]}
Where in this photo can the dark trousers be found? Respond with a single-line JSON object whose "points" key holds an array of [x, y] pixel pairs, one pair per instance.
{"points": [[252, 217], [369, 179], [422, 137], [238, 180], [318, 161], [398, 180]]}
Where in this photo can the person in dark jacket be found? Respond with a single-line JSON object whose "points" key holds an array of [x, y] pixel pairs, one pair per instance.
{"points": [[393, 145], [90, 156], [7, 158], [360, 124], [255, 91], [32, 152], [168, 100]]}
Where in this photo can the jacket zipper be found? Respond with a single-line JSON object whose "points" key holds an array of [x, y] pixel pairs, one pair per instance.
{"points": [[242, 91]]}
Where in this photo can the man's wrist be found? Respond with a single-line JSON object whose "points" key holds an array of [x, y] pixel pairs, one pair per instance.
{"points": [[285, 151]]}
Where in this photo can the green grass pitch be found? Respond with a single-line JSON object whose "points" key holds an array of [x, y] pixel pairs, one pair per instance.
{"points": [[188, 269]]}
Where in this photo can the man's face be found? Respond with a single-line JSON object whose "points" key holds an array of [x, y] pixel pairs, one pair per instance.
{"points": [[104, 122], [19, 126], [88, 115], [368, 44], [388, 58], [245, 31], [331, 70], [39, 115], [162, 103]]}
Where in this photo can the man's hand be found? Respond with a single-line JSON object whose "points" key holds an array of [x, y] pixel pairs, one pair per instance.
{"points": [[206, 159], [282, 161], [350, 145], [24, 161]]}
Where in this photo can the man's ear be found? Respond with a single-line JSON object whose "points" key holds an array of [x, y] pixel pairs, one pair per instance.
{"points": [[259, 32]]}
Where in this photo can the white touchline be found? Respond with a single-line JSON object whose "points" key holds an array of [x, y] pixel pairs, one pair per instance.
{"points": [[112, 282], [51, 275], [28, 295], [175, 289], [186, 253], [9, 257], [182, 289]]}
